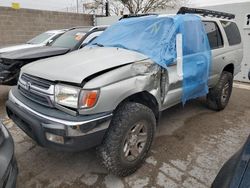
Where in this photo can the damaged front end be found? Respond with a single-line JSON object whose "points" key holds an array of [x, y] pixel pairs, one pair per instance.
{"points": [[117, 85], [9, 71]]}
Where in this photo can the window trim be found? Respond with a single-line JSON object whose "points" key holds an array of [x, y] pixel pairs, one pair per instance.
{"points": [[219, 32]]}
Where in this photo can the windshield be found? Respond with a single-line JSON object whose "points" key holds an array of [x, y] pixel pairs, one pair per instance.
{"points": [[40, 38], [70, 39], [137, 34]]}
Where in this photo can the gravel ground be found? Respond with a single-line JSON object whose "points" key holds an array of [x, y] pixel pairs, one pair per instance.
{"points": [[191, 146]]}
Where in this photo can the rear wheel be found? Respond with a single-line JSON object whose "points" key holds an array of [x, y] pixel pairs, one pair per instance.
{"points": [[218, 96], [128, 139]]}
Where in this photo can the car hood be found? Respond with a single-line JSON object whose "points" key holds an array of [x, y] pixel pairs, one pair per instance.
{"points": [[77, 66], [35, 53], [18, 47]]}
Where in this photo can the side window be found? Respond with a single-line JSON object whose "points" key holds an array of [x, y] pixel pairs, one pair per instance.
{"points": [[214, 34], [232, 32]]}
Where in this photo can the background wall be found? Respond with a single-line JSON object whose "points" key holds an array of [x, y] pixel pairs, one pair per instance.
{"points": [[18, 26]]}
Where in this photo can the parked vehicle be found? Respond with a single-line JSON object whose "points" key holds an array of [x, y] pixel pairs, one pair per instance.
{"points": [[235, 172], [8, 165], [73, 39], [38, 41], [112, 97]]}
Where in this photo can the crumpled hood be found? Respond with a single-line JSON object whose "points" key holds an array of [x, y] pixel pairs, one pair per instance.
{"points": [[17, 47], [77, 66], [35, 53]]}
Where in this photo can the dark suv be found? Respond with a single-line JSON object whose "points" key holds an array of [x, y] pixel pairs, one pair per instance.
{"points": [[73, 39]]}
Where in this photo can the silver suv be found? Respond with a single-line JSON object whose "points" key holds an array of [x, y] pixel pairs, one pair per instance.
{"points": [[112, 98]]}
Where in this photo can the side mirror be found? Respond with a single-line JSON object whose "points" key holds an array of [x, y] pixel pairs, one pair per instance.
{"points": [[179, 52]]}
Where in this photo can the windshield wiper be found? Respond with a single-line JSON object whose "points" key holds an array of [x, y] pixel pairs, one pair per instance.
{"points": [[97, 44]]}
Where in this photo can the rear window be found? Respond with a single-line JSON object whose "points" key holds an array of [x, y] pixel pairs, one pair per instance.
{"points": [[232, 32], [213, 34]]}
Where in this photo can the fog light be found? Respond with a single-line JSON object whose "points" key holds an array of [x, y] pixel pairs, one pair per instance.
{"points": [[54, 138]]}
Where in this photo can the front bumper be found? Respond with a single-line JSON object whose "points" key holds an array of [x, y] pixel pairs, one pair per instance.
{"points": [[57, 133], [8, 165]]}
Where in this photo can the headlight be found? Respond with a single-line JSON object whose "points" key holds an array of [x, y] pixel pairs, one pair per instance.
{"points": [[67, 95], [75, 97]]}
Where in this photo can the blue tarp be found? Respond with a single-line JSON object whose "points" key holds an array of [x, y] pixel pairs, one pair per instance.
{"points": [[155, 37]]}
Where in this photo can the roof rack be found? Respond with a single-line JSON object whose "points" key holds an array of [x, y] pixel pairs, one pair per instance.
{"points": [[79, 27], [135, 15], [205, 12]]}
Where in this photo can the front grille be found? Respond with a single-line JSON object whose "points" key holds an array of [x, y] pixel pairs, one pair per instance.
{"points": [[5, 64], [41, 83], [7, 61], [43, 100], [36, 89]]}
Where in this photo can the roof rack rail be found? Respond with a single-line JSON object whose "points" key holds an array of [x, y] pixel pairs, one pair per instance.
{"points": [[79, 27], [205, 12], [136, 15]]}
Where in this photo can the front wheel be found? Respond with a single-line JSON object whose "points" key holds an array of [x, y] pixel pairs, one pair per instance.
{"points": [[128, 139], [218, 97]]}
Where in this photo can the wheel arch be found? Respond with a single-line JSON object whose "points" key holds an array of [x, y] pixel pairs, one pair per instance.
{"points": [[146, 99], [229, 68]]}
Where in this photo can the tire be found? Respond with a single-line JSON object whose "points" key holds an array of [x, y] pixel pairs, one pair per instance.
{"points": [[218, 96], [126, 122]]}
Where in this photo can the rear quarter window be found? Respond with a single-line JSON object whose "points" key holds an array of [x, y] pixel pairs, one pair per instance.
{"points": [[213, 34], [232, 32]]}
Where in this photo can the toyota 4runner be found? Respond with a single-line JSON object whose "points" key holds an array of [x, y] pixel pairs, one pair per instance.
{"points": [[111, 98]]}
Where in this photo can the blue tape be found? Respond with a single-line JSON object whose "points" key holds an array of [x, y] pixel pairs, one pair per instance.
{"points": [[155, 37]]}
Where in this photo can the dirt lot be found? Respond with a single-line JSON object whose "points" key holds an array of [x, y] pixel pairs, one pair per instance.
{"points": [[191, 146]]}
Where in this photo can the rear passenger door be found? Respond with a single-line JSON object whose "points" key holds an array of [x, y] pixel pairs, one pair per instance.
{"points": [[216, 44]]}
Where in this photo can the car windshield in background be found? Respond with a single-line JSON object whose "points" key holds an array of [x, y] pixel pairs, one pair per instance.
{"points": [[70, 39], [40, 38]]}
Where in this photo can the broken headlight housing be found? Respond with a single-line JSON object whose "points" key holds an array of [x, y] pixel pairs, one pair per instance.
{"points": [[75, 97]]}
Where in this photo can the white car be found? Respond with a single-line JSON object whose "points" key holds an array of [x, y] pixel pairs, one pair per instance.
{"points": [[40, 40]]}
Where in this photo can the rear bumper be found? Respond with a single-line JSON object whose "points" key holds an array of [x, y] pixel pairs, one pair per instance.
{"points": [[8, 165], [58, 134]]}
